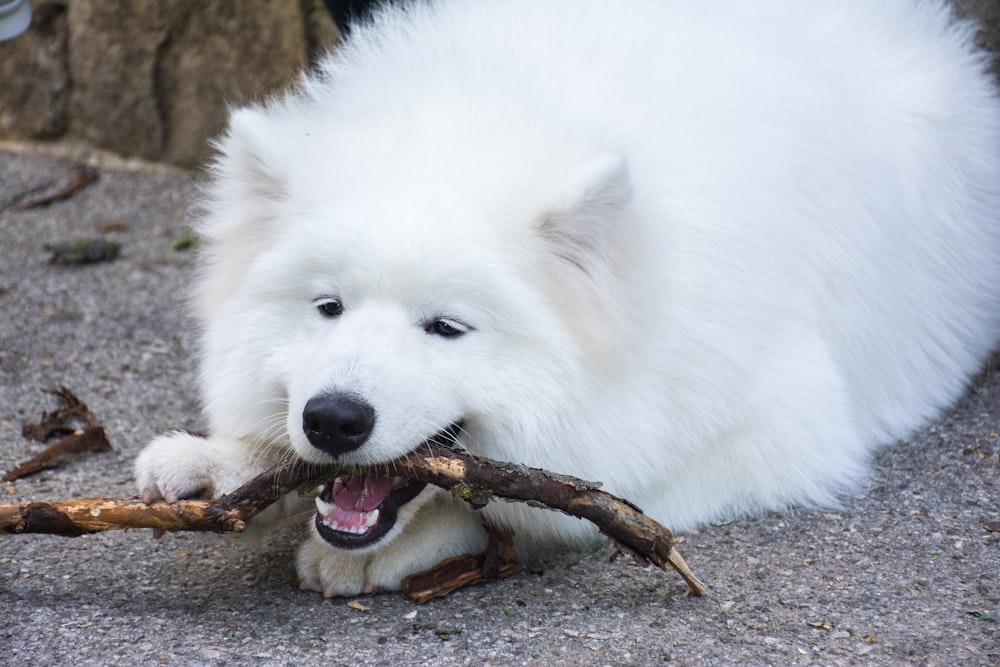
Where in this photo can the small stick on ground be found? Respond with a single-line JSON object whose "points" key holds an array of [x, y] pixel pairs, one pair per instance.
{"points": [[84, 441], [497, 562], [77, 177], [74, 420], [473, 479]]}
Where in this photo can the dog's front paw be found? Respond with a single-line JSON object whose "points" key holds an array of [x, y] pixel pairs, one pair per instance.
{"points": [[180, 465], [442, 528]]}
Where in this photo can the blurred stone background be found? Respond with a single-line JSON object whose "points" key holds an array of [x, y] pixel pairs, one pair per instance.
{"points": [[153, 78]]}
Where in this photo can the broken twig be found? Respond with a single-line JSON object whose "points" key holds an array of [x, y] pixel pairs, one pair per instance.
{"points": [[74, 420], [77, 177], [497, 562], [84, 441]]}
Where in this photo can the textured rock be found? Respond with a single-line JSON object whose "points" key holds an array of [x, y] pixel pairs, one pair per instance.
{"points": [[114, 51], [154, 78], [151, 78], [218, 54], [34, 81]]}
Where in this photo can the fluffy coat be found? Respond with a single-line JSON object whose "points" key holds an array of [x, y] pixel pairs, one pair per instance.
{"points": [[709, 253]]}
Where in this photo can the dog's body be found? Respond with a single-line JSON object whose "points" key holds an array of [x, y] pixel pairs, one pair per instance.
{"points": [[710, 254]]}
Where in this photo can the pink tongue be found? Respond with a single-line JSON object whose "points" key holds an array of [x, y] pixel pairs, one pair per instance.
{"points": [[361, 493]]}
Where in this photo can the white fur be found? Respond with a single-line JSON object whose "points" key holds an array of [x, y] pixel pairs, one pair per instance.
{"points": [[713, 253]]}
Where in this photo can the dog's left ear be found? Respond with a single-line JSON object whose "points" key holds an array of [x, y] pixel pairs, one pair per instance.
{"points": [[583, 226]]}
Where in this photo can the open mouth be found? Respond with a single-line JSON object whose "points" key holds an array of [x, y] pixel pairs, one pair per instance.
{"points": [[355, 511]]}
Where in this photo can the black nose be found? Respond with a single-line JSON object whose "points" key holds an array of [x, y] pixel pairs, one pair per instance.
{"points": [[337, 423]]}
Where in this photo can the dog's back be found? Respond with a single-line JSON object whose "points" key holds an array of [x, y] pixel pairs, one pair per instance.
{"points": [[814, 266]]}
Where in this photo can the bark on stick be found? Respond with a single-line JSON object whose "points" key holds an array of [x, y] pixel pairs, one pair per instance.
{"points": [[473, 479]]}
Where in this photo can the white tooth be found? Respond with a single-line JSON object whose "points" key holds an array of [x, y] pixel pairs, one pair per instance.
{"points": [[324, 507], [343, 529], [372, 518]]}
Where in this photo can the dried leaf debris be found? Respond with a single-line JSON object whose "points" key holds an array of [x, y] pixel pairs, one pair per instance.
{"points": [[82, 251]]}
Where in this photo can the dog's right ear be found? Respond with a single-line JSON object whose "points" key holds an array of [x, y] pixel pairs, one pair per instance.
{"points": [[584, 226], [245, 187]]}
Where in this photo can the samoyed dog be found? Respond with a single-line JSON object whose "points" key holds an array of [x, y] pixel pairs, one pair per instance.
{"points": [[709, 253]]}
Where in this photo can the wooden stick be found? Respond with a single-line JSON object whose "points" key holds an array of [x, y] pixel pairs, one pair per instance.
{"points": [[84, 441], [473, 479], [497, 562], [79, 176]]}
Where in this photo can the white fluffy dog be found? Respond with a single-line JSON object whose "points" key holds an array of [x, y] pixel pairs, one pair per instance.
{"points": [[710, 253]]}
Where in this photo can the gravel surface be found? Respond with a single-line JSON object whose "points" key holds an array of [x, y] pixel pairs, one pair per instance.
{"points": [[905, 572]]}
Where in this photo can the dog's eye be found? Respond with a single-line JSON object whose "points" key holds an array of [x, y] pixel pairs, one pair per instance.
{"points": [[446, 328], [329, 307]]}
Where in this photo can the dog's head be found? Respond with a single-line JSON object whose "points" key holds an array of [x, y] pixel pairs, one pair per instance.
{"points": [[363, 292]]}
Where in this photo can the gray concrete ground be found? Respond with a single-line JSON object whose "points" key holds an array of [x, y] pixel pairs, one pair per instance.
{"points": [[903, 573]]}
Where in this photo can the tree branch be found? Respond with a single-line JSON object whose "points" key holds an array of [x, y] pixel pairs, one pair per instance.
{"points": [[473, 479]]}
